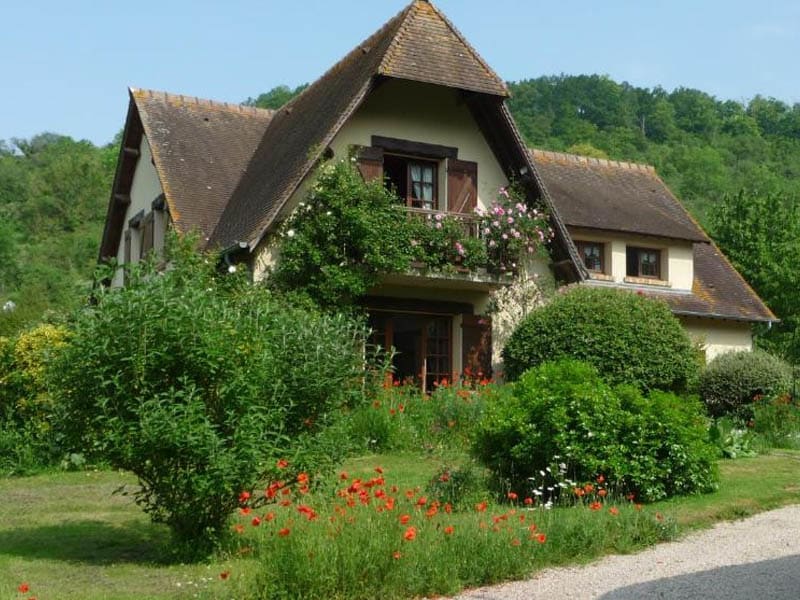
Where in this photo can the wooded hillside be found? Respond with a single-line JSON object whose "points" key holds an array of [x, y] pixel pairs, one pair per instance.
{"points": [[725, 159]]}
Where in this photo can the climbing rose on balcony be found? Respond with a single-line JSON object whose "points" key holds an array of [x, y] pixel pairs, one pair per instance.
{"points": [[512, 230]]}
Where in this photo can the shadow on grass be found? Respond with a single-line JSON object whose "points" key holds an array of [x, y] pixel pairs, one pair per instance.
{"points": [[90, 542]]}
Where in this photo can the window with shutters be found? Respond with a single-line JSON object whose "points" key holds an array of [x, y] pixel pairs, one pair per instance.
{"points": [[414, 180], [414, 170], [643, 262]]}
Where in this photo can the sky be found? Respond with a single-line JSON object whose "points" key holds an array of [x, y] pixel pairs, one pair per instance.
{"points": [[66, 66]]}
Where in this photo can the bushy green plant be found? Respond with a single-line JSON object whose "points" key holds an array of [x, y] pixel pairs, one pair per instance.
{"points": [[732, 381], [776, 421], [732, 439], [199, 382], [28, 415], [629, 338], [653, 446], [460, 486]]}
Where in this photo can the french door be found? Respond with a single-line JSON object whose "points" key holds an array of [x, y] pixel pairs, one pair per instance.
{"points": [[422, 344]]}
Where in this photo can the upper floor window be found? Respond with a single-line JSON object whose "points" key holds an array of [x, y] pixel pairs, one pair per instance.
{"points": [[644, 262], [414, 180], [592, 256]]}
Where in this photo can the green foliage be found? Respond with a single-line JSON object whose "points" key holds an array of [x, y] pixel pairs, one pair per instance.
{"points": [[460, 486], [629, 338], [341, 238], [29, 418], [760, 232], [198, 383], [776, 421], [276, 97], [654, 446], [732, 439], [53, 197], [348, 232], [732, 381]]}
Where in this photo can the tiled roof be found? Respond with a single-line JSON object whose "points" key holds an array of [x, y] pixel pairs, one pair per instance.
{"points": [[200, 150], [417, 44], [718, 291], [615, 196]]}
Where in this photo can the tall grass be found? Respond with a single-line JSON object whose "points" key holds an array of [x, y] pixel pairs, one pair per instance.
{"points": [[371, 539]]}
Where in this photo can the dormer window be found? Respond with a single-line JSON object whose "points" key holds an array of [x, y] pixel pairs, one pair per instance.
{"points": [[644, 262], [591, 254]]}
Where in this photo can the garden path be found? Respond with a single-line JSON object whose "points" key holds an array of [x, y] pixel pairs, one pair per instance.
{"points": [[755, 558]]}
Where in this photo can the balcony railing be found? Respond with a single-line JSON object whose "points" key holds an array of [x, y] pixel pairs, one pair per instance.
{"points": [[467, 221]]}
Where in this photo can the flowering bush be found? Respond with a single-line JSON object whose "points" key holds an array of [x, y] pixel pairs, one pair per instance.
{"points": [[440, 240], [511, 230]]}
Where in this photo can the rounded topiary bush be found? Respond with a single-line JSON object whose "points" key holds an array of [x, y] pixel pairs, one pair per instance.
{"points": [[653, 446], [731, 381], [627, 337]]}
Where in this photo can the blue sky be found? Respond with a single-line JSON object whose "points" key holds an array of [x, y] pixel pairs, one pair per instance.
{"points": [[66, 66]]}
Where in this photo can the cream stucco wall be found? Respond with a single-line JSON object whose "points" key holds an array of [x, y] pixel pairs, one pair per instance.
{"points": [[717, 336], [145, 188], [677, 256], [427, 113]]}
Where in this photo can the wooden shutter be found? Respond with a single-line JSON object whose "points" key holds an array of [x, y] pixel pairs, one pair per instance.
{"points": [[148, 231], [462, 186], [370, 162], [476, 346]]}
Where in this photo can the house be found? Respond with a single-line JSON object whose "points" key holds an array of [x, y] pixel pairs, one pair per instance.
{"points": [[419, 107]]}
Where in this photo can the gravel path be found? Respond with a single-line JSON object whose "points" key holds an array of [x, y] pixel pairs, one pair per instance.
{"points": [[755, 558]]}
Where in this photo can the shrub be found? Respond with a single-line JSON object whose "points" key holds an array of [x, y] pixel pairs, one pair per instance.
{"points": [[776, 422], [629, 338], [731, 381], [653, 446], [199, 382], [28, 415]]}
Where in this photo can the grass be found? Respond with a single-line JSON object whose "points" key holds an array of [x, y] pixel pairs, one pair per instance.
{"points": [[69, 537]]}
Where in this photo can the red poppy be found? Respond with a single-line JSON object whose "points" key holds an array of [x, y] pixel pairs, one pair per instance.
{"points": [[284, 532], [631, 496], [614, 510], [244, 497], [444, 477], [344, 476], [422, 501], [515, 542], [302, 478], [224, 575], [595, 506], [448, 508], [23, 588], [410, 534], [579, 492], [396, 555], [432, 511], [391, 411], [528, 501], [481, 506], [602, 493], [532, 527], [404, 519], [588, 488], [512, 495], [379, 470], [449, 530], [541, 538], [389, 503], [600, 479], [376, 404], [256, 521], [282, 463], [238, 528], [269, 516], [245, 510]]}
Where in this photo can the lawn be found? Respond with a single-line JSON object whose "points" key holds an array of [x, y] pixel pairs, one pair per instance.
{"points": [[69, 536]]}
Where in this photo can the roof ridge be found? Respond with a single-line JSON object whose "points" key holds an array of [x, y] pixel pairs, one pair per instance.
{"points": [[465, 41], [170, 96], [603, 162]]}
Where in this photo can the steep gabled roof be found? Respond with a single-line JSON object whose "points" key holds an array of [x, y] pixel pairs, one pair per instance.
{"points": [[200, 149], [419, 44], [613, 195]]}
